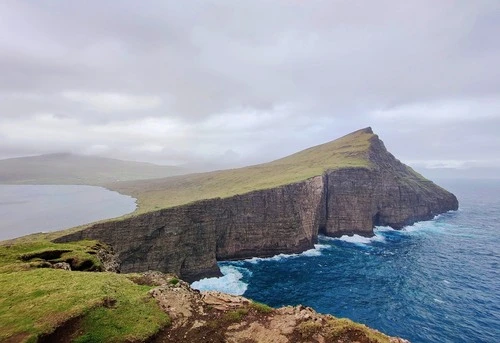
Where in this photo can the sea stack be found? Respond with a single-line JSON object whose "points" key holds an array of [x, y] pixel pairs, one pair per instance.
{"points": [[347, 186]]}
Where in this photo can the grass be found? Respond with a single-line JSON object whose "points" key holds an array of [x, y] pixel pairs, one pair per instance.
{"points": [[173, 281], [348, 151], [236, 315], [261, 308], [35, 301], [340, 329]]}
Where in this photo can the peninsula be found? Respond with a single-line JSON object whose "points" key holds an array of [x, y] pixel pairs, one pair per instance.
{"points": [[185, 224]]}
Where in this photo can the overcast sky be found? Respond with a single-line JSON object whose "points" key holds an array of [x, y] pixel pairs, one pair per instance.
{"points": [[237, 82]]}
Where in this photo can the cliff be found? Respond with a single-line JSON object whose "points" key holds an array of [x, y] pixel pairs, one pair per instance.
{"points": [[189, 239], [70, 292]]}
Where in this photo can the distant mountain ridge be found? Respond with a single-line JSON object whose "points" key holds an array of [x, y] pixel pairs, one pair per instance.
{"points": [[67, 168]]}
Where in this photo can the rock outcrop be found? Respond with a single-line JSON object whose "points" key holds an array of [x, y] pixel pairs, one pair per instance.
{"points": [[188, 240], [218, 317]]}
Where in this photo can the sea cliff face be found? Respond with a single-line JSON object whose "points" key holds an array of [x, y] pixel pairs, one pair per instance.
{"points": [[388, 194], [188, 240]]}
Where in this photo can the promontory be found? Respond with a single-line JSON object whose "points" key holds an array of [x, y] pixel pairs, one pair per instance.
{"points": [[120, 280], [185, 224]]}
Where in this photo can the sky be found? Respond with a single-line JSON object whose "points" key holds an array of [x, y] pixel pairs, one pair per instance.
{"points": [[230, 83]]}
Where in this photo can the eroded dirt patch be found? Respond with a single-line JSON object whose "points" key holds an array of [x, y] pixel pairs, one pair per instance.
{"points": [[66, 332]]}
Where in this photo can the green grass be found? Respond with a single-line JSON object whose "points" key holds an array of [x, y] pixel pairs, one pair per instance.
{"points": [[338, 326], [35, 301], [260, 307], [348, 151], [22, 256], [236, 315], [173, 281], [337, 329]]}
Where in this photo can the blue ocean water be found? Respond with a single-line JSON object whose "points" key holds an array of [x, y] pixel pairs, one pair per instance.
{"points": [[435, 281], [26, 209]]}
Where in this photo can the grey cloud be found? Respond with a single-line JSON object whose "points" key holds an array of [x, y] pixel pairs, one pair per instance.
{"points": [[330, 65]]}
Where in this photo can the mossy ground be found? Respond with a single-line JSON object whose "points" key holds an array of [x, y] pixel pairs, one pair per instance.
{"points": [[340, 329], [35, 301]]}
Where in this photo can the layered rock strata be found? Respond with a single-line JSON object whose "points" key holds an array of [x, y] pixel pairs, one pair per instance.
{"points": [[188, 240]]}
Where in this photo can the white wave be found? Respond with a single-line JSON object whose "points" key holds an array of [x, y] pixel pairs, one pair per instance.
{"points": [[429, 225], [355, 239], [383, 229], [316, 251], [434, 224], [229, 283], [361, 240], [311, 252]]}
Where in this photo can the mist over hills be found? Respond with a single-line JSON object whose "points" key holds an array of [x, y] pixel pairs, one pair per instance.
{"points": [[67, 168], [460, 173]]}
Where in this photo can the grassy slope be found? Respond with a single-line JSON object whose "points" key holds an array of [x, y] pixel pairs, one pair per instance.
{"points": [[35, 301], [78, 169], [348, 151]]}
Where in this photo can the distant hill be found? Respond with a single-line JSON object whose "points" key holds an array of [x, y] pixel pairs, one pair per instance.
{"points": [[65, 168]]}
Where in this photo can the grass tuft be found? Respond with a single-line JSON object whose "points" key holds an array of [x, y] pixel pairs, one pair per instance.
{"points": [[236, 315], [173, 281], [35, 301], [260, 307]]}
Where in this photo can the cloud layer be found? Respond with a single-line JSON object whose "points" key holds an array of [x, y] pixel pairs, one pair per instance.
{"points": [[231, 83]]}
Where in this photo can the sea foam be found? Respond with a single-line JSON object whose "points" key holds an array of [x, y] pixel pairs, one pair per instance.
{"points": [[280, 257], [357, 239], [230, 282]]}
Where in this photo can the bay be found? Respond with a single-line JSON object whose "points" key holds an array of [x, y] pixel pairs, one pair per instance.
{"points": [[26, 209]]}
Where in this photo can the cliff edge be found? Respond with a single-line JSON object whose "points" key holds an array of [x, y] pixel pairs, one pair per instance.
{"points": [[70, 292], [346, 186]]}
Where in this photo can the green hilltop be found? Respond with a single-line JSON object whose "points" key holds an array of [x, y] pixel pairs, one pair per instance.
{"points": [[348, 151]]}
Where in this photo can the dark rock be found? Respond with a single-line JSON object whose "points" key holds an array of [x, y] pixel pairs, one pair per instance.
{"points": [[109, 260], [61, 265]]}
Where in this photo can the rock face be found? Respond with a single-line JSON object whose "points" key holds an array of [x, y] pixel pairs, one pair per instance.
{"points": [[188, 240], [388, 194]]}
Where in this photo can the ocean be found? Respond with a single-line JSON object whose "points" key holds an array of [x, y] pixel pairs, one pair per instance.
{"points": [[26, 209], [435, 281]]}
